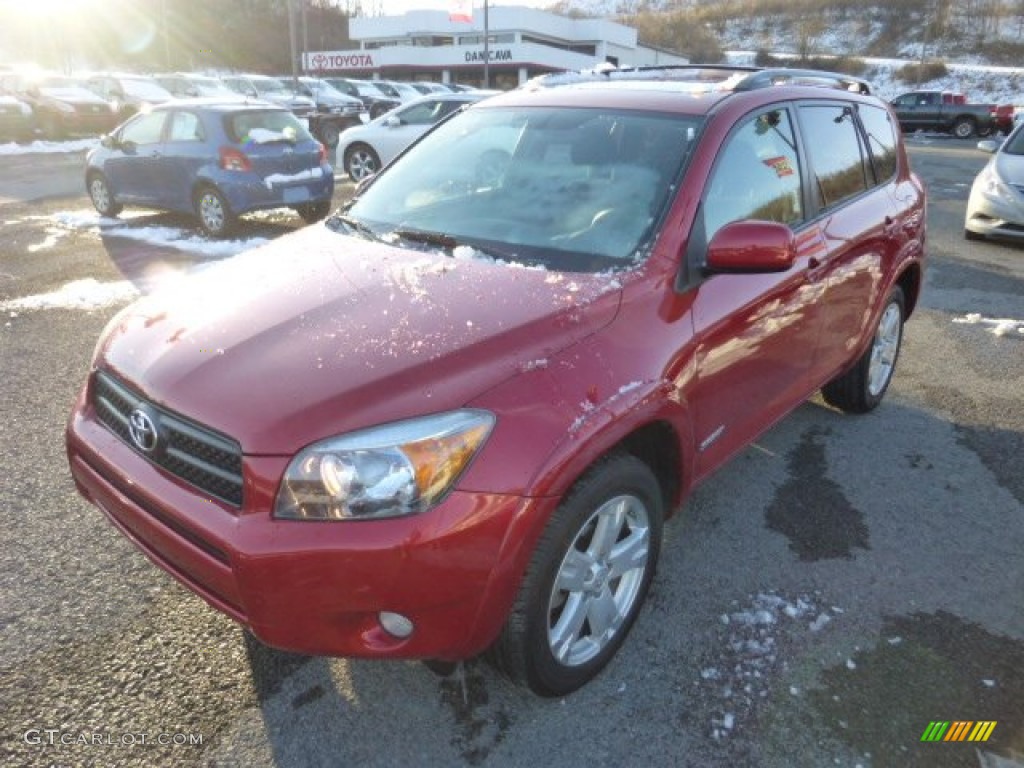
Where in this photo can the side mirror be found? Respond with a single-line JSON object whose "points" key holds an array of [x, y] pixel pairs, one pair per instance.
{"points": [[108, 141], [751, 247], [988, 145], [393, 121]]}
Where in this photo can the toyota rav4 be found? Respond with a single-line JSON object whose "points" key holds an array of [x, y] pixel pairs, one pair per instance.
{"points": [[453, 418]]}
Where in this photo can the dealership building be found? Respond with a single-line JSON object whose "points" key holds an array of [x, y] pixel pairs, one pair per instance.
{"points": [[522, 43]]}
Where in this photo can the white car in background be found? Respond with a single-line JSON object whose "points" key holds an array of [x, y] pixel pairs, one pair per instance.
{"points": [[996, 205], [365, 149]]}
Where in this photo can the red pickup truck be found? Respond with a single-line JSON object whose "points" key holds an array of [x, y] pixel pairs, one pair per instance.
{"points": [[950, 111]]}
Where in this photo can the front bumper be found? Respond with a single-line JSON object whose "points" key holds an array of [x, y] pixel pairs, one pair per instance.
{"points": [[315, 587], [995, 218]]}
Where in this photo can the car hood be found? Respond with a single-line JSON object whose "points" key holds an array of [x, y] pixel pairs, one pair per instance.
{"points": [[72, 95], [319, 334]]}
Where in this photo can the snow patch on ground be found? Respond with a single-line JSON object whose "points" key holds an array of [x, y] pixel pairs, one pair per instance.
{"points": [[749, 653], [171, 237], [997, 326], [47, 147], [80, 294]]}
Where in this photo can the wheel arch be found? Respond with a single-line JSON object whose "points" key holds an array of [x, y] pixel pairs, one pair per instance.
{"points": [[659, 442], [910, 280]]}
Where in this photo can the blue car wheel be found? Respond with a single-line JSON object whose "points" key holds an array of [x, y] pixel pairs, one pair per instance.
{"points": [[213, 212]]}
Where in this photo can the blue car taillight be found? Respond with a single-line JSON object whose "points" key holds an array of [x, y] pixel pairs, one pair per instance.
{"points": [[232, 159]]}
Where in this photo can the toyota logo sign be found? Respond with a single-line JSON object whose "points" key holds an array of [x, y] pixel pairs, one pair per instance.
{"points": [[143, 431]]}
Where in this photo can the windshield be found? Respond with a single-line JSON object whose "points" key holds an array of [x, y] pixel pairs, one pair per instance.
{"points": [[270, 85], [567, 189], [323, 88], [1015, 143], [145, 89], [371, 90], [210, 86]]}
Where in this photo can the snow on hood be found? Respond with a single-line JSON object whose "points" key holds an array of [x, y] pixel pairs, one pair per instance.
{"points": [[318, 334]]}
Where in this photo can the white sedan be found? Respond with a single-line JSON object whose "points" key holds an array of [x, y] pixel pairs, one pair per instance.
{"points": [[365, 149], [996, 205]]}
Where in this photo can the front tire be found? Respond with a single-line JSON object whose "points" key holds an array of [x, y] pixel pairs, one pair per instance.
{"points": [[329, 134], [862, 388], [213, 212], [361, 161], [101, 196], [587, 579]]}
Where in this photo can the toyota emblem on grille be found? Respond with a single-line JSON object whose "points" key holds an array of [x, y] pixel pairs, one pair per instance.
{"points": [[142, 430]]}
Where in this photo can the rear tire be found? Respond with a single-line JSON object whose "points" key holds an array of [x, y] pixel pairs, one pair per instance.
{"points": [[586, 580], [862, 388], [213, 212], [964, 127]]}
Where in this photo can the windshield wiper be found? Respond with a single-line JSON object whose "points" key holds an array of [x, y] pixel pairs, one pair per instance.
{"points": [[439, 239], [449, 243], [354, 225]]}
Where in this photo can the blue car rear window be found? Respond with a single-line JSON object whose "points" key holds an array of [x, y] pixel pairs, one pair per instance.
{"points": [[252, 127]]}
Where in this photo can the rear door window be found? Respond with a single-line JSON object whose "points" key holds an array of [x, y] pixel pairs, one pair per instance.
{"points": [[185, 126], [837, 156]]}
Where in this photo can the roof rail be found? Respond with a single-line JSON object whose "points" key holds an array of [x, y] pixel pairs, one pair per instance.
{"points": [[815, 77], [710, 77]]}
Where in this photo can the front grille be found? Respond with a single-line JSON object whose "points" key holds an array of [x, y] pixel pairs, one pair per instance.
{"points": [[202, 458]]}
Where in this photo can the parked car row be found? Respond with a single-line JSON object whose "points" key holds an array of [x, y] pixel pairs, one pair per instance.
{"points": [[57, 106]]}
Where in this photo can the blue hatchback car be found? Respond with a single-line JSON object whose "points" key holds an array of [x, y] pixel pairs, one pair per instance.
{"points": [[214, 159]]}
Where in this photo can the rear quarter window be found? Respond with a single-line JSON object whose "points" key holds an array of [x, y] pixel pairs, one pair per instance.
{"points": [[881, 133]]}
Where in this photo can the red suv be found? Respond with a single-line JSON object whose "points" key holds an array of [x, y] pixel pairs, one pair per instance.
{"points": [[454, 418]]}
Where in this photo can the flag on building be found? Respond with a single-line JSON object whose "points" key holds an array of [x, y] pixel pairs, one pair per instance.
{"points": [[460, 10]]}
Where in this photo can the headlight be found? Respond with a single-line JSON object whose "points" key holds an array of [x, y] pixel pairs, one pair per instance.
{"points": [[396, 469], [993, 186]]}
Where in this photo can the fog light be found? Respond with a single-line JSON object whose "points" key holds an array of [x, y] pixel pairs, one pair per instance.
{"points": [[395, 624]]}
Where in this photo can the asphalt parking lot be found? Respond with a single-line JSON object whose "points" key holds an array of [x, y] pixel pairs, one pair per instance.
{"points": [[821, 601]]}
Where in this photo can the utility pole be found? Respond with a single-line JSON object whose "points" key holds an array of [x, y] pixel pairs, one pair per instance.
{"points": [[305, 36], [294, 44], [924, 47], [487, 47], [167, 43]]}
